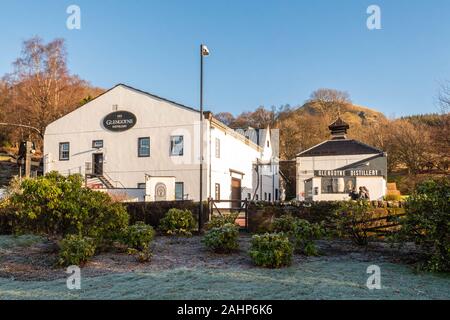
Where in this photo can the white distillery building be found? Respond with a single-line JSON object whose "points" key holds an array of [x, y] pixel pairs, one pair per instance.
{"points": [[143, 147], [330, 170]]}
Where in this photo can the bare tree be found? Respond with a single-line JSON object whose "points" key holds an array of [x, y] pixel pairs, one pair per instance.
{"points": [[41, 86], [329, 101], [225, 117], [260, 118], [411, 144]]}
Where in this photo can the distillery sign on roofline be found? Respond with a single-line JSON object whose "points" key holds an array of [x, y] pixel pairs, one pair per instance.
{"points": [[119, 121], [347, 173]]}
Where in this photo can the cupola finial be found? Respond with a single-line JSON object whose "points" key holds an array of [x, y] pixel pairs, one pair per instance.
{"points": [[339, 129]]}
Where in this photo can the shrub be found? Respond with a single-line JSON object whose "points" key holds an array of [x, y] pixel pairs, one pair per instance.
{"points": [[427, 223], [301, 233], [223, 239], [304, 234], [178, 222], [220, 221], [6, 217], [271, 250], [285, 223], [138, 236], [141, 255], [75, 250], [352, 219], [57, 206], [103, 219]]}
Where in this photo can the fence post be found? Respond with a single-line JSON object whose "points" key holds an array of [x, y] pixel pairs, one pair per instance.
{"points": [[246, 215]]}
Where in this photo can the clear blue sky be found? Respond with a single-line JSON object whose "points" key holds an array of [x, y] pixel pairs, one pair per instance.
{"points": [[264, 52]]}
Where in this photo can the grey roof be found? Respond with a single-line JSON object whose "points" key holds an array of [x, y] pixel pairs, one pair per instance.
{"points": [[362, 162], [339, 148]]}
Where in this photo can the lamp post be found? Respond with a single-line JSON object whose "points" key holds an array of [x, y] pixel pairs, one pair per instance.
{"points": [[204, 52]]}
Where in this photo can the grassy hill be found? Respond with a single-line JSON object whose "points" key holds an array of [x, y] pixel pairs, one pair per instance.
{"points": [[352, 114]]}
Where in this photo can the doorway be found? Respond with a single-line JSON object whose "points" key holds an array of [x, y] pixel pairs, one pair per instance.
{"points": [[236, 192], [98, 164]]}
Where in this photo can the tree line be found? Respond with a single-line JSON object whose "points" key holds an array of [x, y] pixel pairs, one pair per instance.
{"points": [[414, 144]]}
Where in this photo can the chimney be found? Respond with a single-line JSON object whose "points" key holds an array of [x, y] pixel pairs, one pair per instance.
{"points": [[339, 129]]}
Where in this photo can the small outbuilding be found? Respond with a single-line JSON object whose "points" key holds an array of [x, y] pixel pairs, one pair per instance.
{"points": [[338, 168]]}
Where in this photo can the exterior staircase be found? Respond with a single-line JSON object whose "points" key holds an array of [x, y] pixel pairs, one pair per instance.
{"points": [[98, 182], [98, 179]]}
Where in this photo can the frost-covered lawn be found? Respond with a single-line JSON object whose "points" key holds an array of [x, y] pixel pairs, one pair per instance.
{"points": [[8, 242], [177, 273]]}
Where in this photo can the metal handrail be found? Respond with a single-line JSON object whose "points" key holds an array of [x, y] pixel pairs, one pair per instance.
{"points": [[91, 171], [115, 181]]}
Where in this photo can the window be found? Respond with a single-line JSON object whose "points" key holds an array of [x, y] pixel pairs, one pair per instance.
{"points": [[249, 196], [270, 197], [338, 185], [217, 192], [176, 145], [97, 144], [141, 185], [265, 196], [144, 147], [179, 191], [268, 144], [217, 148], [64, 151], [277, 196], [257, 197]]}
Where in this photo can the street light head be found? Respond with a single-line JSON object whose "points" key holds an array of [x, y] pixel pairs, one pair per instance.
{"points": [[205, 51]]}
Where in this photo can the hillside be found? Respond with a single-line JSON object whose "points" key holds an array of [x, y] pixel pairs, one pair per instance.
{"points": [[352, 114]]}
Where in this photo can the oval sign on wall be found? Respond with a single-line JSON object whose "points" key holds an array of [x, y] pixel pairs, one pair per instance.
{"points": [[119, 121]]}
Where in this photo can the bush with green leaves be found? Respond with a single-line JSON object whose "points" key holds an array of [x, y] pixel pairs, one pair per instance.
{"points": [[223, 239], [301, 233], [220, 221], [57, 206], [271, 250], [352, 220], [304, 234], [178, 222], [427, 223], [138, 238], [285, 223], [75, 250]]}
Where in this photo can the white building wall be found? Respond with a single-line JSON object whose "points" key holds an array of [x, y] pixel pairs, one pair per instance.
{"points": [[307, 165], [235, 157], [377, 186], [158, 119]]}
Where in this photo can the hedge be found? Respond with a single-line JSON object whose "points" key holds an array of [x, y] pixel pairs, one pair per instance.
{"points": [[152, 212], [262, 214]]}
